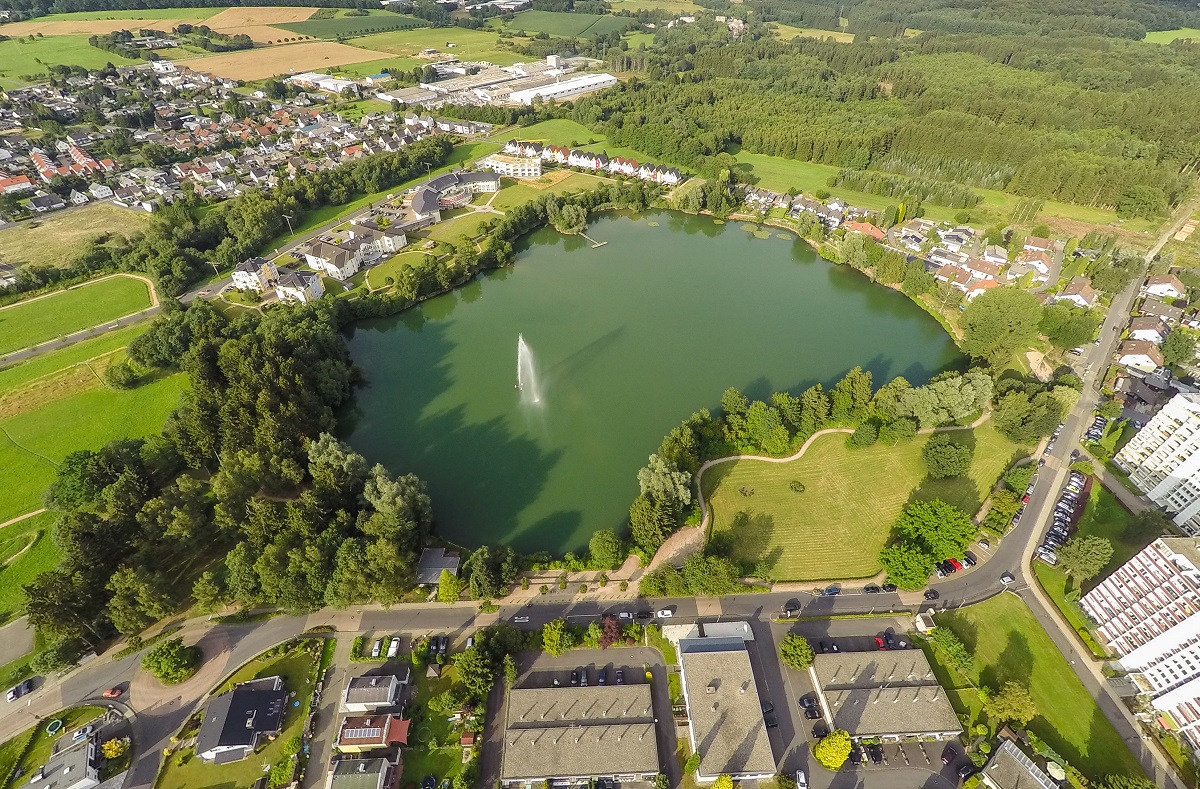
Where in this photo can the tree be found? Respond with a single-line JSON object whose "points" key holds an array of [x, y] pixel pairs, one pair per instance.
{"points": [[953, 650], [692, 764], [447, 702], [610, 632], [1084, 556], [864, 435], [941, 529], [1127, 782], [795, 651], [723, 781], [571, 219], [510, 672], [898, 431], [1013, 703], [171, 662], [833, 749], [1111, 409], [907, 565], [605, 548], [114, 749], [475, 671], [650, 523], [449, 587], [999, 323], [665, 482], [208, 592], [945, 458], [557, 637], [1179, 348]]}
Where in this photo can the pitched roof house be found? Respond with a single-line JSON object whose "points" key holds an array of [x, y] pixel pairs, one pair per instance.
{"points": [[1140, 355], [1078, 292], [339, 262], [363, 733], [1165, 286], [235, 721], [301, 286], [371, 692], [1148, 328], [866, 228], [257, 274], [433, 561], [1159, 308], [1037, 244]]}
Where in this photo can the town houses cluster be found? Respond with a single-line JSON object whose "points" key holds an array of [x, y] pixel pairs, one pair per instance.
{"points": [[588, 160]]}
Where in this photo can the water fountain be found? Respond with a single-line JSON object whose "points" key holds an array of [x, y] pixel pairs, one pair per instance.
{"points": [[527, 379]]}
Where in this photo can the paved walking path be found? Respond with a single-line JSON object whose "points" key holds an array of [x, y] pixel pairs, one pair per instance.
{"points": [[20, 518], [1116, 486]]}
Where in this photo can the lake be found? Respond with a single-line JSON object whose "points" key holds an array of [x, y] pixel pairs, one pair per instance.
{"points": [[628, 339]]}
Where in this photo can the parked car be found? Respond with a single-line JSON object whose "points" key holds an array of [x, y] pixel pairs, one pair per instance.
{"points": [[949, 754], [393, 647], [931, 594], [870, 589], [1006, 578], [968, 560], [889, 587], [666, 613], [807, 702], [879, 644], [769, 718], [83, 733], [966, 771], [644, 616], [812, 714], [575, 678], [625, 615], [443, 644], [20, 689], [520, 620], [832, 591], [583, 678], [470, 642], [875, 754], [377, 648], [801, 780], [820, 730], [620, 676], [856, 756], [602, 677], [955, 563]]}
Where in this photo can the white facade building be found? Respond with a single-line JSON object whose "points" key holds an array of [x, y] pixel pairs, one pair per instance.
{"points": [[513, 166], [1163, 460], [584, 83], [1149, 614]]}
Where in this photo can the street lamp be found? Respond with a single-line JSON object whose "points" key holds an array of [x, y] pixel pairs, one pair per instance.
{"points": [[288, 218]]}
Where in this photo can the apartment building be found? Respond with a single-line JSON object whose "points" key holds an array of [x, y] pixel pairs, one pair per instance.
{"points": [[1148, 613], [1163, 460]]}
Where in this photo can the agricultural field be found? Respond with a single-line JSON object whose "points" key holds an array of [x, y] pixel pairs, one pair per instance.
{"points": [[258, 15], [31, 322], [27, 550], [19, 58], [567, 25], [349, 26], [836, 527], [57, 238], [460, 42], [1167, 36], [1008, 644], [88, 24], [787, 33], [670, 6], [254, 64], [393, 65]]}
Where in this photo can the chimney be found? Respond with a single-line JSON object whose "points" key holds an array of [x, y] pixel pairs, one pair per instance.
{"points": [[362, 767], [714, 706]]}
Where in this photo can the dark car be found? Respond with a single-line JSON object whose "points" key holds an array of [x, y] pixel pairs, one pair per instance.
{"points": [[807, 702], [890, 640], [602, 677], [855, 757], [429, 782], [889, 587], [583, 680], [575, 679], [931, 594], [875, 754], [790, 608], [644, 616], [443, 645], [769, 716], [966, 771], [812, 714], [824, 647], [20, 689], [949, 754], [620, 676], [871, 589], [820, 730]]}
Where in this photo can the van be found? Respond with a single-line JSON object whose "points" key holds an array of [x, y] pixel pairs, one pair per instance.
{"points": [[377, 647]]}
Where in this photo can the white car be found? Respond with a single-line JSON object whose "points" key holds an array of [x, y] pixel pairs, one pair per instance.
{"points": [[376, 648], [394, 647], [665, 613], [801, 780]]}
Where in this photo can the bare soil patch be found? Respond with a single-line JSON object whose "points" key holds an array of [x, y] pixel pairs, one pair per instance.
{"points": [[264, 15], [87, 27], [262, 63], [56, 386], [263, 34]]}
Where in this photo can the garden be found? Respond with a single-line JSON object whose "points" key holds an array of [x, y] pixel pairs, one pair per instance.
{"points": [[30, 749]]}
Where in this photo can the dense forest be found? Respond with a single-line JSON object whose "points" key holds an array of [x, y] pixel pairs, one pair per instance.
{"points": [[1055, 102], [25, 9]]}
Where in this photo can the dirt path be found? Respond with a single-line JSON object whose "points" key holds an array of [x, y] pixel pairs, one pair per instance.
{"points": [[20, 518]]}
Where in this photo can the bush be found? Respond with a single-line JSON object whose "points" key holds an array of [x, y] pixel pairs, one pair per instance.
{"points": [[795, 651], [121, 376], [692, 764], [864, 435], [945, 458], [171, 662]]}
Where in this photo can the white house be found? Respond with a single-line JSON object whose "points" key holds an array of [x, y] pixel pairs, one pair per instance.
{"points": [[369, 693], [1149, 329], [981, 269], [100, 191], [257, 274], [337, 261], [1037, 244], [993, 253], [1140, 355], [1165, 286], [1078, 292], [953, 275], [301, 286]]}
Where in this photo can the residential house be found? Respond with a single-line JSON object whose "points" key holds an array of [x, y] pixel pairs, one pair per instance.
{"points": [[365, 733], [78, 198], [954, 276], [866, 228], [1039, 261], [99, 191], [375, 773], [43, 203], [335, 260], [373, 240], [993, 253], [1140, 355], [981, 269], [1037, 244], [432, 562], [301, 286], [257, 274], [1165, 286], [1010, 768], [957, 238], [1149, 329], [1160, 309], [236, 721], [76, 766], [369, 693], [17, 184], [977, 287], [1078, 292]]}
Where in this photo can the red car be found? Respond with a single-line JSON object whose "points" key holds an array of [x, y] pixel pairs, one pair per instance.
{"points": [[955, 563], [111, 693], [879, 644]]}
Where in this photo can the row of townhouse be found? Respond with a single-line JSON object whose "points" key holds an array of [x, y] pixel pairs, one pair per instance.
{"points": [[597, 161]]}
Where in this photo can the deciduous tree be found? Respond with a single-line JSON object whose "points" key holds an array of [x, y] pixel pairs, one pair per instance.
{"points": [[832, 750], [795, 651], [1084, 556]]}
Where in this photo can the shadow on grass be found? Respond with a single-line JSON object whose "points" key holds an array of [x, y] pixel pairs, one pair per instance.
{"points": [[1015, 664]]}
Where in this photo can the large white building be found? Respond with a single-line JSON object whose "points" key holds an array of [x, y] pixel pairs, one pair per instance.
{"points": [[1163, 460], [1148, 612], [584, 83]]}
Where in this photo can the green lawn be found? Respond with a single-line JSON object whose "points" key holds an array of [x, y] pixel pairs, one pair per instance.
{"points": [[672, 6], [19, 57], [423, 756], [523, 191], [837, 526], [557, 23], [559, 131], [1009, 645], [33, 322], [391, 267], [464, 225], [349, 26], [299, 671], [23, 372], [1167, 36], [27, 550], [468, 44], [788, 32], [39, 752]]}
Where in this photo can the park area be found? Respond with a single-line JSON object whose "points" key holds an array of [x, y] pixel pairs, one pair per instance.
{"points": [[835, 527], [55, 240], [1009, 645], [58, 314]]}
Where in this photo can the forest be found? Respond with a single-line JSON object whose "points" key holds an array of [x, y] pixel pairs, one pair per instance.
{"points": [[1053, 106]]}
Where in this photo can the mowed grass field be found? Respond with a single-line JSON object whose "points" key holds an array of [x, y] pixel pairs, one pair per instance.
{"points": [[787, 33], [837, 526], [19, 57], [556, 23], [27, 550], [468, 44], [352, 25], [391, 268], [57, 238], [1009, 644], [1167, 36], [524, 191], [31, 322]]}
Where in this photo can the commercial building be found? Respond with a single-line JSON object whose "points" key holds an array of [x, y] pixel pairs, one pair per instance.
{"points": [[725, 717], [573, 735], [235, 721], [452, 190], [1163, 460], [1148, 613], [513, 166], [889, 695], [584, 83]]}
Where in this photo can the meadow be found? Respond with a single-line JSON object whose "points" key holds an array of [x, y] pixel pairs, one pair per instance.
{"points": [[20, 58], [787, 33], [836, 527], [349, 26], [27, 323], [524, 191], [460, 42], [1167, 36], [27, 550], [672, 6], [55, 239], [1008, 644], [567, 25]]}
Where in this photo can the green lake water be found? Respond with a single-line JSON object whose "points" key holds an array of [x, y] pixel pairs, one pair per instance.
{"points": [[629, 339]]}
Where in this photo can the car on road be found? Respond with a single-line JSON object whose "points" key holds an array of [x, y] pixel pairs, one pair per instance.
{"points": [[666, 613], [801, 780], [112, 693], [790, 608], [931, 594], [575, 678], [1006, 578], [769, 715], [949, 754], [393, 647], [20, 689], [520, 620], [620, 676]]}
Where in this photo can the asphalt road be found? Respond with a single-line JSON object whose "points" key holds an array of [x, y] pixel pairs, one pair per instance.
{"points": [[71, 339]]}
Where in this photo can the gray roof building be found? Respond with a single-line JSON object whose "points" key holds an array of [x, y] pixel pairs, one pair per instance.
{"points": [[1009, 768], [433, 561], [70, 768], [847, 670], [726, 725], [362, 774], [578, 733], [372, 692], [235, 720]]}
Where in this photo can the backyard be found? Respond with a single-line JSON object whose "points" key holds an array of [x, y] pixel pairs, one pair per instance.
{"points": [[58, 238], [298, 667], [1008, 644], [35, 321], [836, 527], [427, 753], [43, 741]]}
